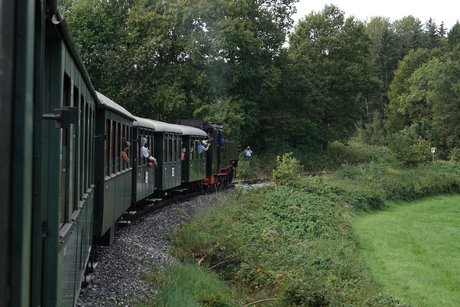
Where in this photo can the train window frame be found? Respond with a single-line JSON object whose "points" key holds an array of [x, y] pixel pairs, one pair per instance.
{"points": [[138, 147], [113, 147], [80, 142], [170, 148], [63, 164], [88, 146], [76, 162], [118, 149], [92, 142], [108, 138]]}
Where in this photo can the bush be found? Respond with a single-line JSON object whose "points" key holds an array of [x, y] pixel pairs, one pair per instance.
{"points": [[408, 147], [373, 133], [288, 167], [454, 155]]}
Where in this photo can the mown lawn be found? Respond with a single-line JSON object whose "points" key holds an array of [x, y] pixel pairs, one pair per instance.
{"points": [[413, 249]]}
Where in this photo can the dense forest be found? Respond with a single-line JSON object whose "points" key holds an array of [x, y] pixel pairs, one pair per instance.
{"points": [[273, 85]]}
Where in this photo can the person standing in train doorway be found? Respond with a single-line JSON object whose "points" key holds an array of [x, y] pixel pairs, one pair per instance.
{"points": [[248, 153]]}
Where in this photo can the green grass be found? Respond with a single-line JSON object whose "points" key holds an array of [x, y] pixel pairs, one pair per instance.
{"points": [[186, 285], [413, 249]]}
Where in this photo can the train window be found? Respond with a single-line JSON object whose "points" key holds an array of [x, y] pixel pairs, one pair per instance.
{"points": [[177, 149], [130, 137], [127, 138], [114, 145], [108, 135], [174, 146], [170, 149], [165, 149], [91, 143], [81, 141], [123, 140], [192, 149], [138, 148], [64, 162], [151, 144], [118, 148], [87, 145]]}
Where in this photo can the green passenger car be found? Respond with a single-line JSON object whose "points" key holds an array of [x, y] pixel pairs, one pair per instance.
{"points": [[166, 150], [114, 176], [64, 191], [143, 171], [193, 163]]}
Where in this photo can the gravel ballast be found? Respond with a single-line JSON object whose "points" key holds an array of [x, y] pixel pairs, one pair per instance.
{"points": [[140, 250]]}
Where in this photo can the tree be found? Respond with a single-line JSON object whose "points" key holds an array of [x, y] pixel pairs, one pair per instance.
{"points": [[396, 117], [427, 100], [437, 83], [453, 38], [334, 56], [409, 33], [430, 37], [99, 29], [384, 48]]}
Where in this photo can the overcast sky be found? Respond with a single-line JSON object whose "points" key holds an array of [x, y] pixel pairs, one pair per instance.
{"points": [[447, 10]]}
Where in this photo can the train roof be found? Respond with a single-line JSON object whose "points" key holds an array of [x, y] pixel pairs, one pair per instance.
{"points": [[187, 130], [156, 125], [110, 104]]}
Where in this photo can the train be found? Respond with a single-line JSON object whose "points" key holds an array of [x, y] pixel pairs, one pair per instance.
{"points": [[67, 176]]}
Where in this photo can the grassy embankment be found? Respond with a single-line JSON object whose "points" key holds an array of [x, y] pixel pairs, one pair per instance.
{"points": [[293, 244]]}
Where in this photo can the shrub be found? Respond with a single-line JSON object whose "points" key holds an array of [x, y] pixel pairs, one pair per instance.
{"points": [[421, 151], [409, 148], [288, 167], [245, 170], [454, 155], [373, 133]]}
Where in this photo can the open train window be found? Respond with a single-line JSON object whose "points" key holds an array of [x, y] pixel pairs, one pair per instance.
{"points": [[64, 167], [118, 149], [108, 133], [114, 145]]}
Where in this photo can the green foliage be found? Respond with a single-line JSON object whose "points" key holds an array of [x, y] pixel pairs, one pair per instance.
{"points": [[396, 118], [454, 155], [393, 182], [338, 154], [373, 133], [287, 168], [410, 149], [187, 285]]}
